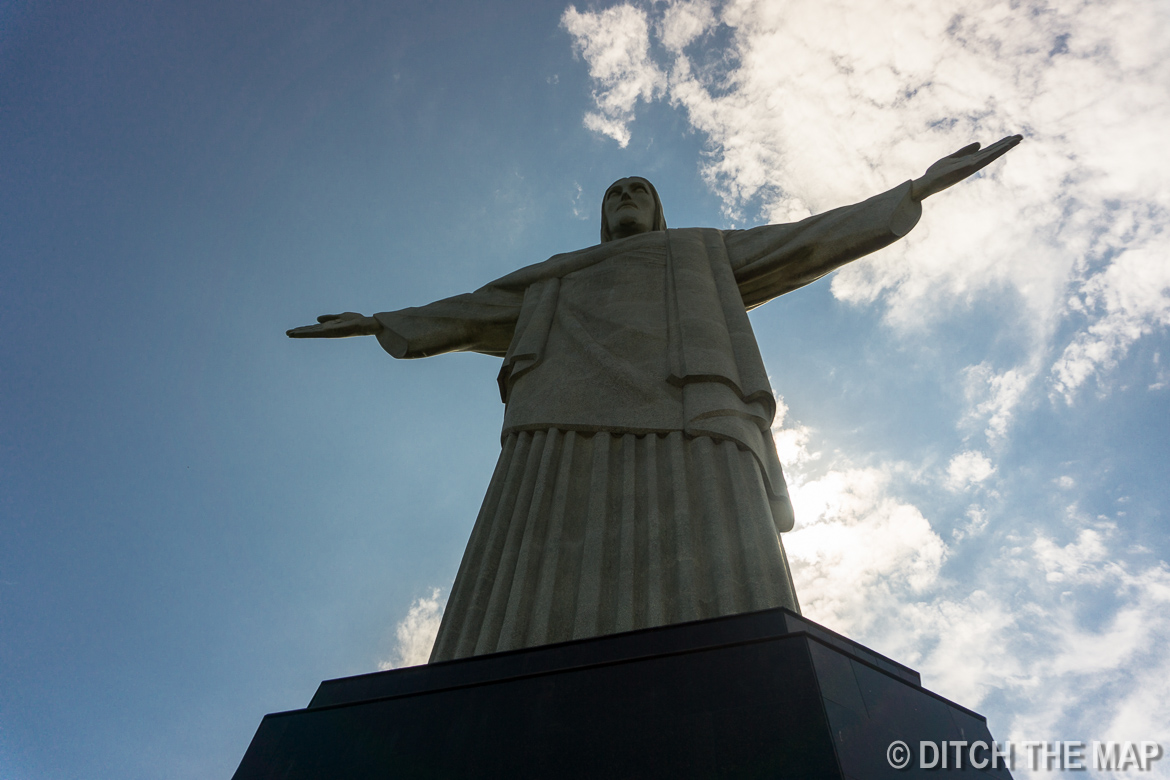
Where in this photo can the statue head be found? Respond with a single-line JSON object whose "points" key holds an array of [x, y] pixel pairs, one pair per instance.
{"points": [[630, 206]]}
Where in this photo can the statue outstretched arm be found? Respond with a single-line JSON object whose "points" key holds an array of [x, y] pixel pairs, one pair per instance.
{"points": [[481, 321], [772, 260]]}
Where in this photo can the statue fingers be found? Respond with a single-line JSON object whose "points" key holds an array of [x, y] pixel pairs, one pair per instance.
{"points": [[1004, 144], [305, 331], [966, 150], [345, 315], [336, 326], [998, 149]]}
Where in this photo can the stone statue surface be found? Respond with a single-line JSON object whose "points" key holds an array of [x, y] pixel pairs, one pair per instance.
{"points": [[638, 483]]}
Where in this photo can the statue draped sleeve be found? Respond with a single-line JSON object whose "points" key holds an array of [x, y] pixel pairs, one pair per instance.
{"points": [[482, 321], [772, 260]]}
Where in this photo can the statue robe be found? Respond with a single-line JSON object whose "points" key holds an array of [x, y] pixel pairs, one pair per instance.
{"points": [[638, 483]]}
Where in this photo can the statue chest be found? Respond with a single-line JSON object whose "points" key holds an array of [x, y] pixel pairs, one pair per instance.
{"points": [[605, 360]]}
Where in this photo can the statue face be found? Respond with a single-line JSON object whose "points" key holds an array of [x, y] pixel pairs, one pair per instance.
{"points": [[629, 207]]}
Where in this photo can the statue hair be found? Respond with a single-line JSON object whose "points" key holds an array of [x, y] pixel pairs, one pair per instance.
{"points": [[659, 222]]}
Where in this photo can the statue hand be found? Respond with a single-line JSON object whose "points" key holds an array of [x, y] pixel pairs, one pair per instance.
{"points": [[337, 326], [958, 166]]}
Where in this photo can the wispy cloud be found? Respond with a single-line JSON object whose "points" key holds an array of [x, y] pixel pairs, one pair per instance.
{"points": [[616, 44], [993, 397], [1127, 300], [416, 632], [811, 104], [1060, 640]]}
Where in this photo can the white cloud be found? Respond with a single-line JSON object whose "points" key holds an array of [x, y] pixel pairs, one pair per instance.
{"points": [[1162, 380], [1131, 298], [416, 632], [1054, 640], [791, 441], [816, 103], [1071, 560], [856, 544], [683, 22], [616, 45], [977, 522], [967, 469], [1107, 681], [993, 397]]}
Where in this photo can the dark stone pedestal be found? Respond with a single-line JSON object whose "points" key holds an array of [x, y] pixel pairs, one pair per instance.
{"points": [[761, 695]]}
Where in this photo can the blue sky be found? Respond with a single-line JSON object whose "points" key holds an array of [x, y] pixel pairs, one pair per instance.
{"points": [[201, 519]]}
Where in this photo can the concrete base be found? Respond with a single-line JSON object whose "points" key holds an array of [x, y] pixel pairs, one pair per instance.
{"points": [[761, 695]]}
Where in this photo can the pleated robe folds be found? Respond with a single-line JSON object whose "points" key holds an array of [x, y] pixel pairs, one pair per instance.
{"points": [[638, 483]]}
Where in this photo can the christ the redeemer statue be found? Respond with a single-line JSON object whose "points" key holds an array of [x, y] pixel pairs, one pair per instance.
{"points": [[638, 483]]}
